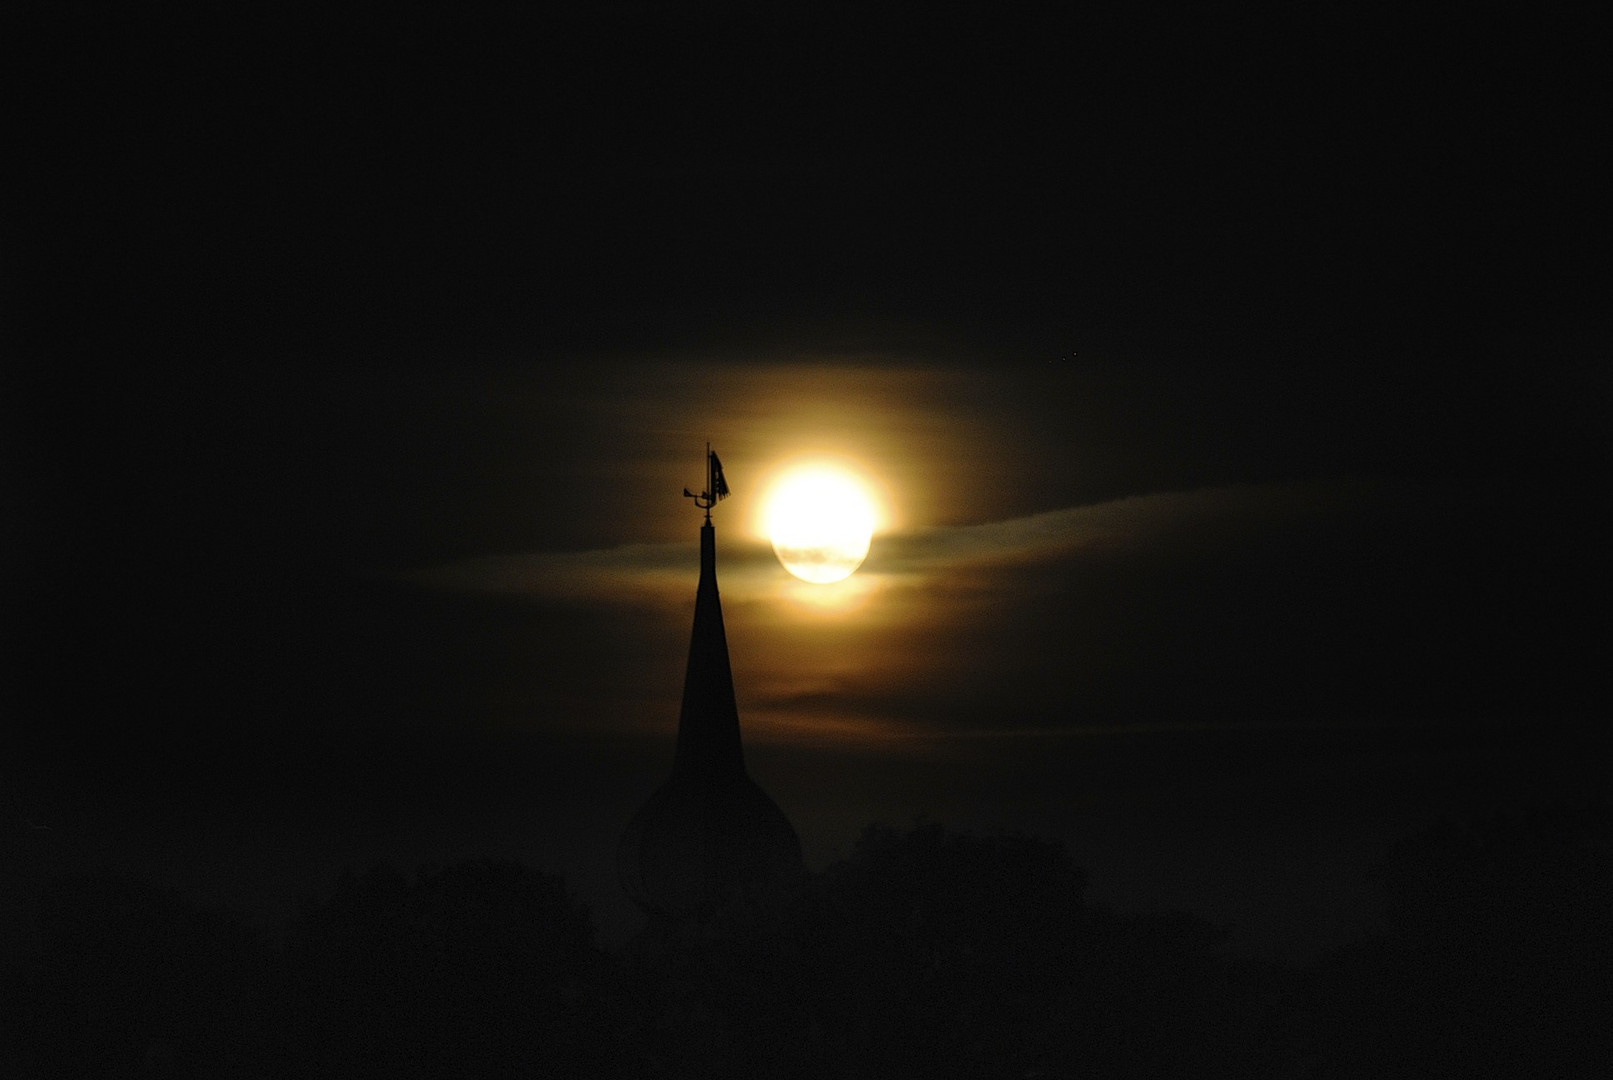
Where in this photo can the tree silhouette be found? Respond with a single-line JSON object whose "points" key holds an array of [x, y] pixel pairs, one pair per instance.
{"points": [[977, 955], [1495, 959], [481, 969], [926, 952], [131, 979]]}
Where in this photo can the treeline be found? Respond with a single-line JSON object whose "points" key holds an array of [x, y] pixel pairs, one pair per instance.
{"points": [[927, 952]]}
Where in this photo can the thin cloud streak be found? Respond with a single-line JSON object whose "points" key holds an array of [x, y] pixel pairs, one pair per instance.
{"points": [[1207, 606], [1175, 519], [1162, 520]]}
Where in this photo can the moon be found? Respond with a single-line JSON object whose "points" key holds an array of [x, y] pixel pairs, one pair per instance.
{"points": [[821, 522]]}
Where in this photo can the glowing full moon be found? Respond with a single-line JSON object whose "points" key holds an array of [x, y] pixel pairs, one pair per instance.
{"points": [[821, 521]]}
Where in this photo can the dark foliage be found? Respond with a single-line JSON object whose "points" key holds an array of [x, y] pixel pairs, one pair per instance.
{"points": [[1496, 959], [979, 957], [133, 980], [476, 970], [927, 952], [936, 953], [482, 969]]}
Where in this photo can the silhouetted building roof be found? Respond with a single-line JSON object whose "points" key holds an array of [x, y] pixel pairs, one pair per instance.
{"points": [[709, 838]]}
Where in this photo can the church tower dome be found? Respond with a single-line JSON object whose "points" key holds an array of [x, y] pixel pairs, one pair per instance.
{"points": [[709, 838]]}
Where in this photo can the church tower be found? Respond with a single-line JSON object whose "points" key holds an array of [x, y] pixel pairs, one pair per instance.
{"points": [[709, 846]]}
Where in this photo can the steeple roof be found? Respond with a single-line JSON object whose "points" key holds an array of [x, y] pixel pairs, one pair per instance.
{"points": [[708, 723], [709, 837]]}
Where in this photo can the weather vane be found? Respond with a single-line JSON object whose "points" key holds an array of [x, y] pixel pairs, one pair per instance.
{"points": [[716, 486]]}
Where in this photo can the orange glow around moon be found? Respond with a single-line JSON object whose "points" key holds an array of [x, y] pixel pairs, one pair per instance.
{"points": [[821, 521]]}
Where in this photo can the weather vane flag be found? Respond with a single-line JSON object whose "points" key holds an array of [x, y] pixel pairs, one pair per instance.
{"points": [[716, 487]]}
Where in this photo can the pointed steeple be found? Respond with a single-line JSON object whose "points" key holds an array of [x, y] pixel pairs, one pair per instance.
{"points": [[709, 838], [708, 723]]}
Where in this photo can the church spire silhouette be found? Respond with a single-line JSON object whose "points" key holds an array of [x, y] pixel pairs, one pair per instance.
{"points": [[708, 722], [709, 838]]}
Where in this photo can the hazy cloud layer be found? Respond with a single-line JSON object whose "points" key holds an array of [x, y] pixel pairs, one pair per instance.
{"points": [[1166, 521], [1116, 612]]}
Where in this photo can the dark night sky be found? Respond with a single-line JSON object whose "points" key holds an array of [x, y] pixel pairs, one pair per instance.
{"points": [[1236, 380]]}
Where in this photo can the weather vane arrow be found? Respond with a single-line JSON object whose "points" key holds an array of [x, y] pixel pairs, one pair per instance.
{"points": [[716, 487]]}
